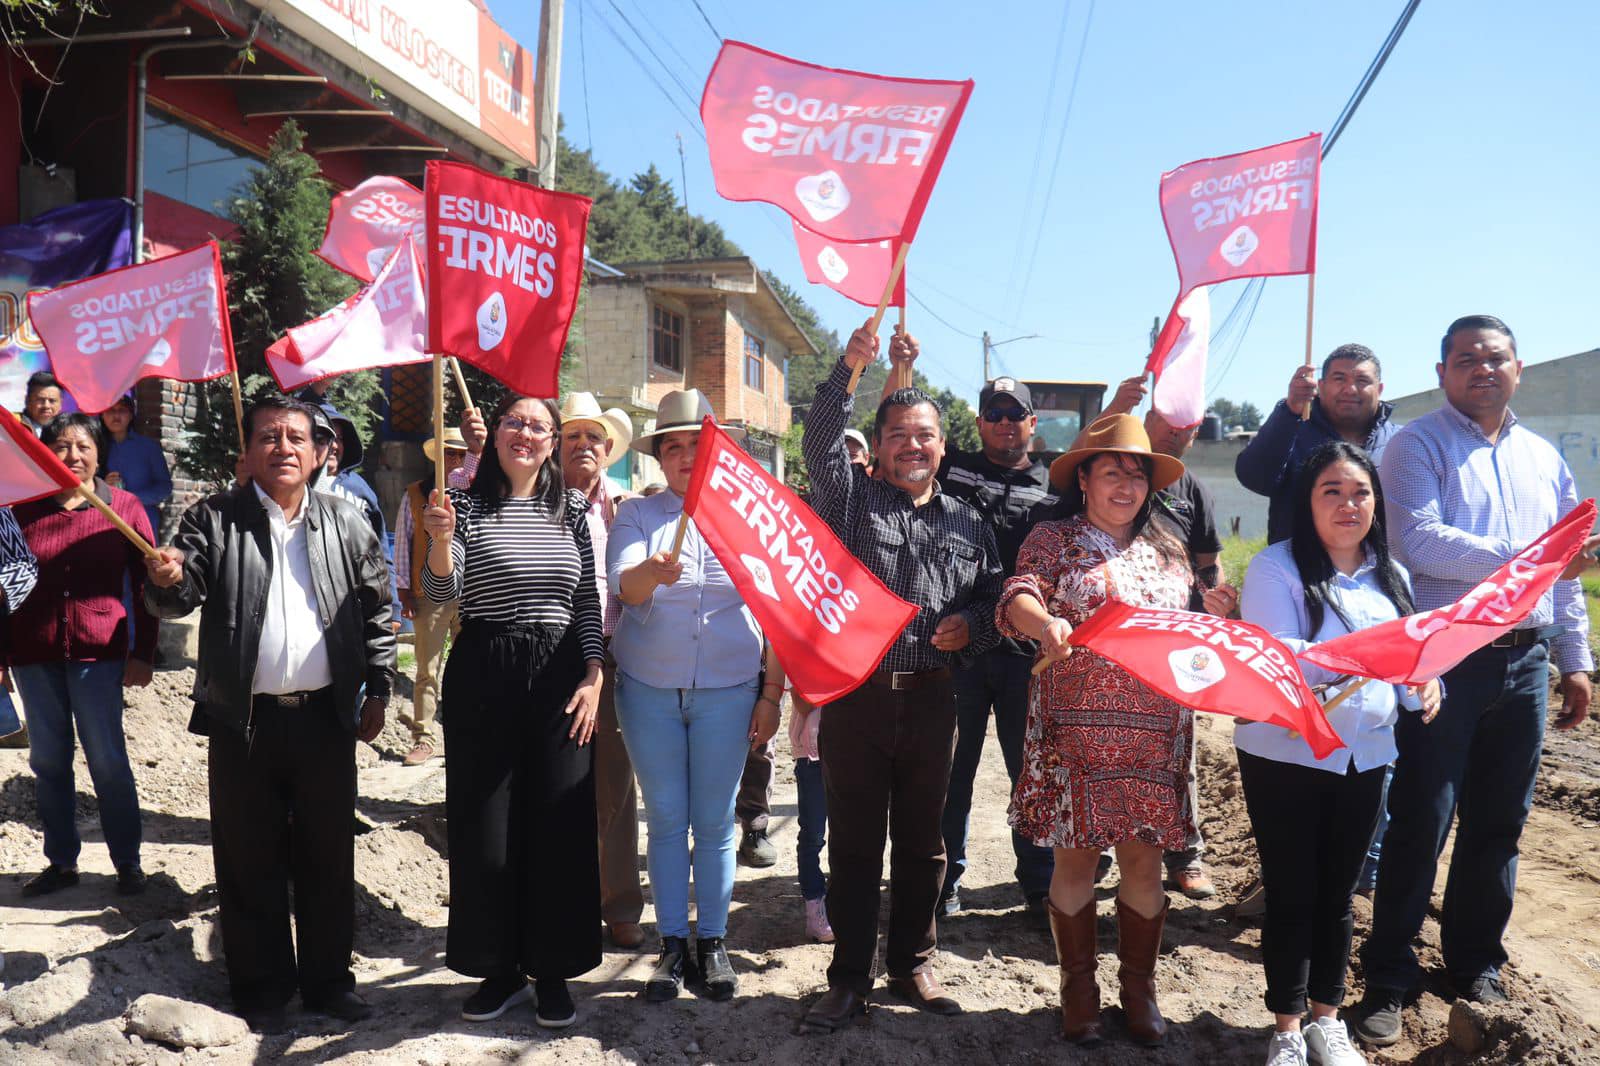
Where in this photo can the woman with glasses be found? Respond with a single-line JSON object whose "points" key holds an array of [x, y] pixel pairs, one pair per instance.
{"points": [[692, 700], [518, 702]]}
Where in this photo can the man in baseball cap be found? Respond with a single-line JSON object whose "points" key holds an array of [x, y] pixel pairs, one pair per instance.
{"points": [[1011, 488]]}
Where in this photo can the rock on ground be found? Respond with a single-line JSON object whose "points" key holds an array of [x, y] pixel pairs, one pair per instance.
{"points": [[181, 1024], [49, 997]]}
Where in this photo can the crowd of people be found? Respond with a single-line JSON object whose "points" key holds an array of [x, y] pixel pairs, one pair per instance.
{"points": [[599, 655]]}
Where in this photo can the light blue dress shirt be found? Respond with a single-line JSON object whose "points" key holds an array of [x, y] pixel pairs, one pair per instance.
{"points": [[695, 633], [1460, 507], [1275, 600]]}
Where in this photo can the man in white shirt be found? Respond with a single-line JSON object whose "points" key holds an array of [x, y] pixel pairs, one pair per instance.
{"points": [[296, 660]]}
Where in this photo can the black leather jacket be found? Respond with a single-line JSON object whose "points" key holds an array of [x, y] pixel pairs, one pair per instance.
{"points": [[227, 569]]}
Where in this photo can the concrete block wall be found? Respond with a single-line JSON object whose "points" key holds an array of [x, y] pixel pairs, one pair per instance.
{"points": [[616, 337]]}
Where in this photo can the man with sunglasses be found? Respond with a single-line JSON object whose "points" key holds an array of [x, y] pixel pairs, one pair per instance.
{"points": [[1011, 489]]}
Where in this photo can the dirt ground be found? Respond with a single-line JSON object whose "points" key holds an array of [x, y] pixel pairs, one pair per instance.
{"points": [[994, 957]]}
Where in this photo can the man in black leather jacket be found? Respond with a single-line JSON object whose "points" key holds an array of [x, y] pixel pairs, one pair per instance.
{"points": [[294, 605]]}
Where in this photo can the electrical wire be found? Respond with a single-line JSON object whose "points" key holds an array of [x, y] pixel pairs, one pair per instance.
{"points": [[707, 18], [694, 122], [583, 62], [1050, 186], [688, 94], [936, 317], [659, 32], [1038, 147]]}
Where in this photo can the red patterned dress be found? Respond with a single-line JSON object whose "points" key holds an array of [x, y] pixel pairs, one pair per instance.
{"points": [[1105, 758]]}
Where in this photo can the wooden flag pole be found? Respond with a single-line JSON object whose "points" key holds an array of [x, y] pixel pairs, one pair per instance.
{"points": [[117, 520], [677, 538], [1349, 690], [883, 306], [1044, 664], [461, 383], [1311, 302], [238, 411], [904, 376], [438, 423]]}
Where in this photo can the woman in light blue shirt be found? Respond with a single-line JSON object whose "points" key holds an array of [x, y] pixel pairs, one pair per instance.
{"points": [[691, 699], [1314, 818]]}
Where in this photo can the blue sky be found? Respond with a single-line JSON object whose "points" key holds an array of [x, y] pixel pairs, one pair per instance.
{"points": [[1465, 183]]}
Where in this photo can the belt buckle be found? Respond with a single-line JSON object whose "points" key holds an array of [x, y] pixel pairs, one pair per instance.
{"points": [[896, 678], [294, 699]]}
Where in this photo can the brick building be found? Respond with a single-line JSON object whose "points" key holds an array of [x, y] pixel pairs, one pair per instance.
{"points": [[708, 324]]}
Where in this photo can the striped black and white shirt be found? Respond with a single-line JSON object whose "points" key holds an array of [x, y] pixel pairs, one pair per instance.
{"points": [[519, 565]]}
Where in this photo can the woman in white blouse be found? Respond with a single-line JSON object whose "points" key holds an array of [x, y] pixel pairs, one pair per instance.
{"points": [[1314, 818]]}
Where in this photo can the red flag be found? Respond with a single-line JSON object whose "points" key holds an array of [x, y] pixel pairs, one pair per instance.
{"points": [[167, 318], [1244, 216], [28, 469], [1418, 648], [1219, 665], [1178, 361], [367, 223], [829, 619], [505, 261], [859, 271], [850, 156], [385, 324]]}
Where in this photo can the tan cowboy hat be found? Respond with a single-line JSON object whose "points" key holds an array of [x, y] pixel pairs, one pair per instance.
{"points": [[680, 411], [1114, 433], [453, 441], [613, 421]]}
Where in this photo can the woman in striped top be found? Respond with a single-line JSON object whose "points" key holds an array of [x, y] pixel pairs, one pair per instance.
{"points": [[519, 699]]}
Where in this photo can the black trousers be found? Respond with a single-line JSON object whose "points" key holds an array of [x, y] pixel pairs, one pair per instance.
{"points": [[520, 799], [885, 767], [1312, 831], [282, 808]]}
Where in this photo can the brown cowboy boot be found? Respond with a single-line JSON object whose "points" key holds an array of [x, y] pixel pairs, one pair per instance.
{"points": [[1138, 946], [1077, 951]]}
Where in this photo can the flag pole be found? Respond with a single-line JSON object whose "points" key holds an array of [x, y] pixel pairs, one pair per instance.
{"points": [[438, 423], [238, 411], [117, 520], [461, 383], [883, 306], [1044, 664], [1311, 301], [1349, 690], [677, 538], [903, 375]]}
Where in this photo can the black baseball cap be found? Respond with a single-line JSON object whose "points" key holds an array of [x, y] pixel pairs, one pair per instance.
{"points": [[1010, 388]]}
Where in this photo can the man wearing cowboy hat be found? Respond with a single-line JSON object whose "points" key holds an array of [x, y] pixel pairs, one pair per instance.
{"points": [[591, 441], [432, 622]]}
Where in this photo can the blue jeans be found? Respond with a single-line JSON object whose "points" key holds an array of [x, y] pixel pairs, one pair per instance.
{"points": [[9, 722], [813, 803], [999, 680], [1475, 763], [58, 696], [688, 748]]}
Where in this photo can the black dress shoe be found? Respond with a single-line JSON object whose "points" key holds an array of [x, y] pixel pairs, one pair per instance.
{"points": [[130, 881], [346, 1006], [716, 971], [266, 1020], [48, 880], [674, 964], [834, 1010]]}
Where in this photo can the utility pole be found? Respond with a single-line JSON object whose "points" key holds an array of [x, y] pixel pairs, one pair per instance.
{"points": [[688, 219], [1155, 331], [986, 347], [546, 94]]}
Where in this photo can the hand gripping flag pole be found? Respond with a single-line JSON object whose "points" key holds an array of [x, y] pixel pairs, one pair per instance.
{"points": [[883, 306]]}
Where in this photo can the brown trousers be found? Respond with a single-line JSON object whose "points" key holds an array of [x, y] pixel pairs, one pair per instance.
{"points": [[753, 804], [617, 811], [886, 767]]}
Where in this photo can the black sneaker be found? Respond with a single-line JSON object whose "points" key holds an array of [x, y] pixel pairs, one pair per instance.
{"points": [[554, 1003], [717, 978], [495, 996], [949, 903], [50, 879], [130, 881], [1485, 989], [1378, 1017], [756, 850]]}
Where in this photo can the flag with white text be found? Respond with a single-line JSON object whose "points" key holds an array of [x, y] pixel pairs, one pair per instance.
{"points": [[859, 271], [830, 620], [367, 223]]}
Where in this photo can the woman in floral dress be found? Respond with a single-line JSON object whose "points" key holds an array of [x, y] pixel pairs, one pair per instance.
{"points": [[1106, 758]]}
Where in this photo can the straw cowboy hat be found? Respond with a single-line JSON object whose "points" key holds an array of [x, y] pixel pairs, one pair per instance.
{"points": [[682, 410], [1114, 433], [613, 421], [453, 442]]}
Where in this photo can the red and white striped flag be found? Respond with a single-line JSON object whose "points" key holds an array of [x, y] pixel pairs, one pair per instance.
{"points": [[28, 470], [1178, 361]]}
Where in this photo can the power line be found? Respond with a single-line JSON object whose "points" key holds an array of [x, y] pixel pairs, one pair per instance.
{"points": [[922, 280], [941, 321], [583, 62], [1050, 187], [687, 66], [626, 21], [707, 17], [1038, 146], [694, 122]]}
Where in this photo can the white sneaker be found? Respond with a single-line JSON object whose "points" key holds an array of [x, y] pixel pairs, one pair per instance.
{"points": [[1287, 1049], [1328, 1043]]}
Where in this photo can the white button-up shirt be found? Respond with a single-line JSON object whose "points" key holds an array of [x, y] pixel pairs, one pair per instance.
{"points": [[293, 657]]}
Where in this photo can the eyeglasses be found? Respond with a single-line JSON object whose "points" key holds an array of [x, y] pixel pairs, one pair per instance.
{"points": [[515, 426], [995, 415]]}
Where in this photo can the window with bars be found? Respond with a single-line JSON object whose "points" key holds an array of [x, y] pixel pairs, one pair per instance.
{"points": [[666, 339], [755, 362]]}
